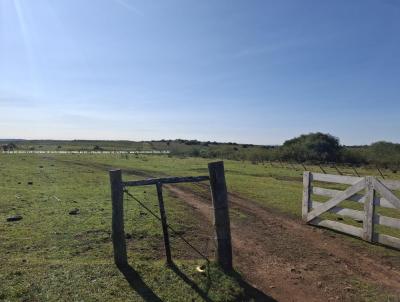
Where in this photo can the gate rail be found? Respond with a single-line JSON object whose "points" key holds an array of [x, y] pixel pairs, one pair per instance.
{"points": [[375, 192]]}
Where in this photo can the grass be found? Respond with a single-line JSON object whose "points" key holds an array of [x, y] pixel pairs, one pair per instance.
{"points": [[51, 255], [372, 293]]}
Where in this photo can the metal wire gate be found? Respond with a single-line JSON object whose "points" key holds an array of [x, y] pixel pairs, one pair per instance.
{"points": [[163, 220], [220, 206]]}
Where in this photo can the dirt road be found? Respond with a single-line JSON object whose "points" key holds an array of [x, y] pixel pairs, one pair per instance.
{"points": [[291, 261]]}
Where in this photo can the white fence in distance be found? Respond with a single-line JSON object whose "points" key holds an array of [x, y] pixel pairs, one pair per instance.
{"points": [[84, 152]]}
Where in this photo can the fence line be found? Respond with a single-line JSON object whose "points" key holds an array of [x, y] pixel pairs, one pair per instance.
{"points": [[85, 152], [340, 168]]}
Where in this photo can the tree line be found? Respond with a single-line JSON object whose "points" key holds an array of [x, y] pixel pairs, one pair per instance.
{"points": [[316, 148]]}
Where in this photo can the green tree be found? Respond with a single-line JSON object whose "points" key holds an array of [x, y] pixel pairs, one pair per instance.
{"points": [[384, 154], [315, 147]]}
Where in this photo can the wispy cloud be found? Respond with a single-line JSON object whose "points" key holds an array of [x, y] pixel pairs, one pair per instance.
{"points": [[273, 47], [25, 37], [129, 6], [254, 51], [15, 100]]}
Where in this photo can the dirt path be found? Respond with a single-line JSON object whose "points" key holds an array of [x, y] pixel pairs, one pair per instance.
{"points": [[294, 262]]}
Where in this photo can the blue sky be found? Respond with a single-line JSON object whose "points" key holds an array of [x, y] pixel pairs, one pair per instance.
{"points": [[245, 71]]}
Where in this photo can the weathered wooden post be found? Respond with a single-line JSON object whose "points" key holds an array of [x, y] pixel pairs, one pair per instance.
{"points": [[354, 169], [118, 234], [337, 169], [221, 215], [307, 178], [369, 209], [380, 172], [322, 169], [164, 223]]}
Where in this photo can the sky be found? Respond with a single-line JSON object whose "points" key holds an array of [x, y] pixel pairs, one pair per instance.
{"points": [[254, 71]]}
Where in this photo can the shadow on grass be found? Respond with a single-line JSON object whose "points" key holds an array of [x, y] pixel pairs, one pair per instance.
{"points": [[137, 283], [191, 283], [250, 293]]}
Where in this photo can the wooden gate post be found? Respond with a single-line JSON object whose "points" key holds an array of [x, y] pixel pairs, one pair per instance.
{"points": [[118, 233], [221, 215], [164, 223], [307, 179], [369, 209]]}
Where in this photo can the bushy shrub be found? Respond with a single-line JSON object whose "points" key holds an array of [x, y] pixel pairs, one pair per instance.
{"points": [[313, 147], [384, 154]]}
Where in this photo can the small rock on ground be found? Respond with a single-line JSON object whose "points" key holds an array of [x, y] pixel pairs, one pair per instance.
{"points": [[74, 212], [14, 218]]}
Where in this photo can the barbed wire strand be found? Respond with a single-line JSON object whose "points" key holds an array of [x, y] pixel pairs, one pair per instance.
{"points": [[168, 226]]}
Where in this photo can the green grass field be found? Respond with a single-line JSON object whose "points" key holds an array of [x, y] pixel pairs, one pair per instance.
{"points": [[51, 255]]}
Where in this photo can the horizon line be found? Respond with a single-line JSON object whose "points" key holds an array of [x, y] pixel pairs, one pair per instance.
{"points": [[169, 139]]}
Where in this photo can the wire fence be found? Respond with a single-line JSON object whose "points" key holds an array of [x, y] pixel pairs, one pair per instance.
{"points": [[334, 168], [176, 233]]}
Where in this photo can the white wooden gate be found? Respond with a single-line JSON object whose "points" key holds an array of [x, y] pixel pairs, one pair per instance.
{"points": [[370, 191]]}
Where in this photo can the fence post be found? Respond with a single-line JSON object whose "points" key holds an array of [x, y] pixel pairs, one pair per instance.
{"points": [[118, 234], [369, 209], [221, 215], [307, 178], [358, 175], [380, 172], [164, 223], [337, 169], [323, 171]]}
